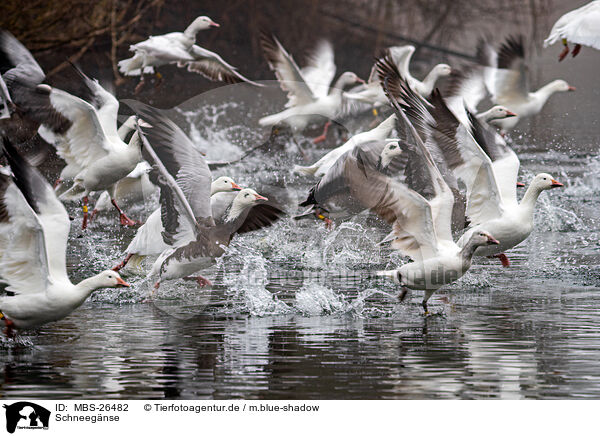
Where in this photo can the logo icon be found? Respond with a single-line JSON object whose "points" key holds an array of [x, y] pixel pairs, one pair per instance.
{"points": [[26, 415]]}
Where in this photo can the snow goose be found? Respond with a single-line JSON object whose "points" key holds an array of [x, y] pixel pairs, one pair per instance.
{"points": [[378, 133], [179, 48], [91, 146], [580, 27], [509, 85], [147, 242], [488, 170], [373, 93], [34, 231], [184, 179], [135, 187], [331, 198], [422, 227], [26, 107], [310, 93]]}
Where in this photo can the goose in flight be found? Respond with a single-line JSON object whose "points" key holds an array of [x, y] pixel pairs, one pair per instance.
{"points": [[372, 92], [309, 90], [421, 221], [184, 179], [487, 167], [96, 156], [179, 48], [580, 27], [33, 242], [507, 79]]}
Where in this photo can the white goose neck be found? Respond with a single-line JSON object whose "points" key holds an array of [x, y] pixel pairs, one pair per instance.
{"points": [[429, 80], [544, 93], [236, 209], [529, 199], [87, 286]]}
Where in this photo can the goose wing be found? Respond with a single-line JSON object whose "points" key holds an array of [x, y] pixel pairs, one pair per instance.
{"points": [[287, 72], [34, 227]]}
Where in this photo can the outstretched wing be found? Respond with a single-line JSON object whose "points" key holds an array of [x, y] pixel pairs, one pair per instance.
{"points": [[34, 227], [213, 67], [320, 69], [287, 72]]}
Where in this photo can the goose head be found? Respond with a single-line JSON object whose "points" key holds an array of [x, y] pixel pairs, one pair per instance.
{"points": [[348, 78], [389, 152], [224, 184], [245, 199], [441, 70], [109, 279], [544, 181], [201, 23], [248, 197], [482, 238], [497, 113], [561, 86]]}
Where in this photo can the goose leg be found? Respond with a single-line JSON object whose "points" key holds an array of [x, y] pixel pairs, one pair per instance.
{"points": [[576, 50], [58, 182], [159, 80], [426, 297], [403, 293], [125, 220], [123, 263], [563, 54], [323, 136], [202, 281], [85, 213], [503, 259]]}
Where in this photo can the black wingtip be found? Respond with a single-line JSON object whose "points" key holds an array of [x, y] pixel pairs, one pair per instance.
{"points": [[22, 172], [310, 199]]}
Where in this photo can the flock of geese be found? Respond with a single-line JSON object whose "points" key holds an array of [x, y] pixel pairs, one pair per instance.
{"points": [[437, 170]]}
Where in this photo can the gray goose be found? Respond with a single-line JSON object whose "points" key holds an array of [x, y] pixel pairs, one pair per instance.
{"points": [[184, 179]]}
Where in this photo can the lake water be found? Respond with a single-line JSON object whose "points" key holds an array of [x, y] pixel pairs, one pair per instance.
{"points": [[295, 314]]}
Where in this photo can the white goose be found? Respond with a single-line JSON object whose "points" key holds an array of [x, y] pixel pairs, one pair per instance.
{"points": [[580, 27], [96, 156], [34, 227], [378, 133], [179, 48], [310, 94], [373, 93], [147, 240], [488, 168], [422, 227], [508, 84], [135, 187], [184, 179]]}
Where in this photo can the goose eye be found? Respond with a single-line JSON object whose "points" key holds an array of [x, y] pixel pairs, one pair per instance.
{"points": [[246, 195], [392, 147]]}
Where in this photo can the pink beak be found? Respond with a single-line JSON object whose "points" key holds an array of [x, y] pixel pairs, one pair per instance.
{"points": [[359, 80], [493, 241], [213, 24], [510, 114], [260, 197], [556, 184], [235, 186], [520, 185], [122, 283], [571, 88]]}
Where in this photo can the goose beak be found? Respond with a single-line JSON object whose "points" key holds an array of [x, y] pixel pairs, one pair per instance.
{"points": [[122, 283], [235, 186], [213, 24], [556, 184], [492, 241], [520, 185], [260, 197], [359, 80], [510, 114], [571, 88]]}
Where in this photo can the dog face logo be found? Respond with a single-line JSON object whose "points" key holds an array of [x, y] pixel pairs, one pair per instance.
{"points": [[26, 415]]}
